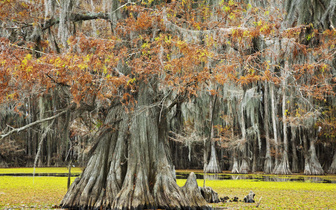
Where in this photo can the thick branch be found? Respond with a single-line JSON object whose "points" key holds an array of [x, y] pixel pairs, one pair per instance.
{"points": [[76, 18], [58, 83], [32, 124], [180, 97], [83, 17]]}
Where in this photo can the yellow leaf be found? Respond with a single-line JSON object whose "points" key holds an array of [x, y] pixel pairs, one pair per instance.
{"points": [[29, 57], [105, 70]]}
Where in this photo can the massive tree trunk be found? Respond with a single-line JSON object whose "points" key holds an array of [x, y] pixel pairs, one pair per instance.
{"points": [[129, 166]]}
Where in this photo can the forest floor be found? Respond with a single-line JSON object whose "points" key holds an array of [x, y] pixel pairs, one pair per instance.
{"points": [[44, 192]]}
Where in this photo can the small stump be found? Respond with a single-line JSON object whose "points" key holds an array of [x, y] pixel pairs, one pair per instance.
{"points": [[249, 198], [209, 195]]}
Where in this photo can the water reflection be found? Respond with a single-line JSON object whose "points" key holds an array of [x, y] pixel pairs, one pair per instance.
{"points": [[212, 176], [254, 177]]}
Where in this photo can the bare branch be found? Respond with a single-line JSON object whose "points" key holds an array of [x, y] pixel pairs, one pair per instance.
{"points": [[83, 17], [17, 130]]}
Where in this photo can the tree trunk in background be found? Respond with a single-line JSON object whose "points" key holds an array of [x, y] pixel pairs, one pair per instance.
{"points": [[255, 151], [244, 167], [275, 131], [332, 168], [29, 131], [205, 155], [49, 145], [213, 165], [283, 167], [235, 165], [129, 167], [43, 127], [306, 154], [234, 158], [315, 167], [295, 159], [268, 158], [3, 163]]}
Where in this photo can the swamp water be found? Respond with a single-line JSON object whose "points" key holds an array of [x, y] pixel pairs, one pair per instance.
{"points": [[258, 177], [184, 175]]}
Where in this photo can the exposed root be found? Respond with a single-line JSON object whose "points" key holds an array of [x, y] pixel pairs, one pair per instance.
{"points": [[135, 192], [192, 192], [167, 193]]}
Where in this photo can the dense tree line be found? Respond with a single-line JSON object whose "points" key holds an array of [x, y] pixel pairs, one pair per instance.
{"points": [[134, 89]]}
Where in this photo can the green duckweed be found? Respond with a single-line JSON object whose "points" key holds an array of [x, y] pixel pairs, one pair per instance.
{"points": [[41, 192]]}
